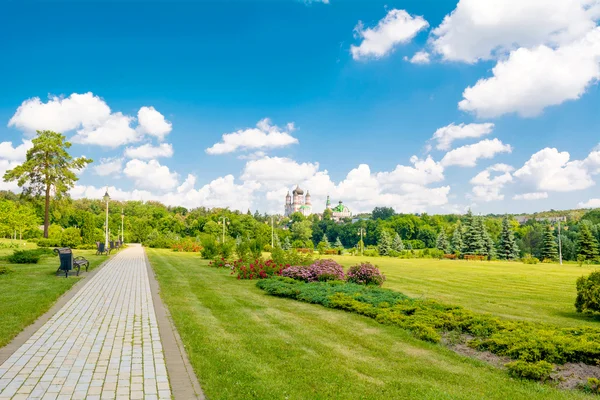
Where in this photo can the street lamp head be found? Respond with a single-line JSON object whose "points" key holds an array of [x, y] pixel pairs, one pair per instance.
{"points": [[122, 213], [106, 196]]}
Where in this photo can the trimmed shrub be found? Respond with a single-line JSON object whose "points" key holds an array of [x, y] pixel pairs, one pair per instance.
{"points": [[588, 293], [365, 274], [528, 259], [187, 245], [24, 257], [259, 269], [48, 243], [210, 250], [71, 237], [86, 247], [319, 271], [538, 371]]}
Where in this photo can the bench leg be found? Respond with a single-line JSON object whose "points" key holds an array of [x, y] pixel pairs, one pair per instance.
{"points": [[78, 269]]}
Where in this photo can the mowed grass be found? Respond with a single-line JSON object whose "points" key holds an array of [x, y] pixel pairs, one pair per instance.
{"points": [[244, 344], [29, 290], [541, 292]]}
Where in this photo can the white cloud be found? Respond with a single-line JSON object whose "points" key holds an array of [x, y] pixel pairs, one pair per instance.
{"points": [[18, 153], [467, 156], [551, 170], [151, 175], [487, 29], [591, 203], [424, 172], [264, 136], [60, 114], [533, 79], [278, 171], [6, 165], [147, 151], [487, 188], [448, 134], [420, 57], [109, 167], [153, 123], [115, 131], [396, 27], [531, 196]]}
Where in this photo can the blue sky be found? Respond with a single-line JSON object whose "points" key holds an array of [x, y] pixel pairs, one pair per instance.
{"points": [[363, 119]]}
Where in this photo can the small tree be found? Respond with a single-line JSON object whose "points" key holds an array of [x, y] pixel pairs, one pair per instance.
{"points": [[490, 247], [338, 244], [385, 244], [48, 168], [588, 247], [507, 246], [442, 242], [24, 219], [549, 246], [325, 241], [397, 244], [287, 244], [457, 239], [276, 241]]}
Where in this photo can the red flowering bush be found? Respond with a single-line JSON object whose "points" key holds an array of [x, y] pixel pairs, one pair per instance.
{"points": [[319, 271], [365, 274], [187, 245], [221, 263], [258, 269]]}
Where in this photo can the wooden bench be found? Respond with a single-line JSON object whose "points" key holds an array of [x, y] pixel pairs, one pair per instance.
{"points": [[475, 257], [305, 250], [331, 252], [68, 262], [450, 256]]}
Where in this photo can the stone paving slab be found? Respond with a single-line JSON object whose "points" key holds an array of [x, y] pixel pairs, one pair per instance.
{"points": [[103, 344]]}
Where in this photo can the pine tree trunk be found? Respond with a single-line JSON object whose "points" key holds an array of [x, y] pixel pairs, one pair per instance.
{"points": [[47, 212]]}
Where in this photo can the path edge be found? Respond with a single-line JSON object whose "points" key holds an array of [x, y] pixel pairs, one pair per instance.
{"points": [[183, 380], [23, 336]]}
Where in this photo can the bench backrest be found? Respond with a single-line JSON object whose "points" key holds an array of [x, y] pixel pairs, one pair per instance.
{"points": [[65, 255]]}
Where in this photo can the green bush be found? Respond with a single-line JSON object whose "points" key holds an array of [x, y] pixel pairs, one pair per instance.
{"points": [[538, 371], [48, 243], [291, 257], [71, 237], [4, 270], [591, 386], [588, 293], [528, 259], [86, 247], [210, 250], [24, 257]]}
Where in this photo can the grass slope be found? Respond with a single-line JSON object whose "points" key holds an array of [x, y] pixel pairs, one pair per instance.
{"points": [[31, 289], [244, 344], [541, 292]]}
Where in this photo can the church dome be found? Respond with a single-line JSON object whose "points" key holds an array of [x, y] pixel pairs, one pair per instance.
{"points": [[298, 190]]}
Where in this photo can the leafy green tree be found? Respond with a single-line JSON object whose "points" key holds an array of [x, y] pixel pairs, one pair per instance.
{"points": [[24, 220], [385, 244], [442, 242], [338, 244], [382, 213], [507, 245], [48, 168], [327, 215], [397, 244], [549, 246], [302, 230], [588, 247], [457, 239]]}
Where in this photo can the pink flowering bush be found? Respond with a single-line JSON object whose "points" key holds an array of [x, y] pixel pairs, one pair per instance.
{"points": [[319, 271], [365, 274]]}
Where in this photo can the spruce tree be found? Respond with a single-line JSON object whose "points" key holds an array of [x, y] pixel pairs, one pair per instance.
{"points": [[467, 233], [442, 242], [474, 241], [286, 244], [507, 246], [338, 243], [385, 244], [397, 244], [276, 241], [457, 239], [326, 241], [490, 247], [549, 246], [588, 246]]}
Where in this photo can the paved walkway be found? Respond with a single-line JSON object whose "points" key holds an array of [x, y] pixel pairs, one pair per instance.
{"points": [[103, 344]]}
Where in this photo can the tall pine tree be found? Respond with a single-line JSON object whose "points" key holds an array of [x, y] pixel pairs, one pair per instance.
{"points": [[588, 246], [397, 244], [442, 242], [276, 241], [507, 246], [549, 246], [326, 241], [338, 243], [490, 247], [474, 237], [385, 244], [457, 238]]}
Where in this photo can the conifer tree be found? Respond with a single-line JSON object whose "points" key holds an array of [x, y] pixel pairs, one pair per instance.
{"points": [[276, 241], [588, 246], [490, 248], [549, 246], [507, 246], [385, 244], [474, 241], [457, 238], [326, 241], [286, 244], [442, 242], [338, 243], [397, 244], [467, 233]]}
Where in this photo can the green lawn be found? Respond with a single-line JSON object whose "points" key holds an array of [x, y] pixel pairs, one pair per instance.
{"points": [[541, 292], [31, 289], [244, 344]]}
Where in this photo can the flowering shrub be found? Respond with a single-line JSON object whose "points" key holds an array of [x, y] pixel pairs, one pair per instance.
{"points": [[258, 269], [221, 263], [186, 245], [365, 274], [320, 270]]}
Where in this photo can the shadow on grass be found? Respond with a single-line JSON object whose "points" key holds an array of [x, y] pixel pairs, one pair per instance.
{"points": [[578, 316]]}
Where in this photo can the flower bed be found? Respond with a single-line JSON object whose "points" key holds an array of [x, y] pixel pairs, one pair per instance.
{"points": [[186, 245], [365, 274], [257, 269], [320, 270]]}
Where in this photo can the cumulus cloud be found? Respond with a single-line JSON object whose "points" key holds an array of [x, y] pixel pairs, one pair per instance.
{"points": [[109, 167], [551, 170], [278, 171], [446, 135], [150, 175], [533, 79], [395, 28], [420, 57], [264, 136], [467, 156], [18, 153], [153, 123], [591, 203], [487, 29], [113, 132], [487, 188], [531, 196], [147, 151], [422, 172]]}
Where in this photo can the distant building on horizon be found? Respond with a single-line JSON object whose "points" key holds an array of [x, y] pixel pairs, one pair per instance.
{"points": [[298, 203], [338, 212]]}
